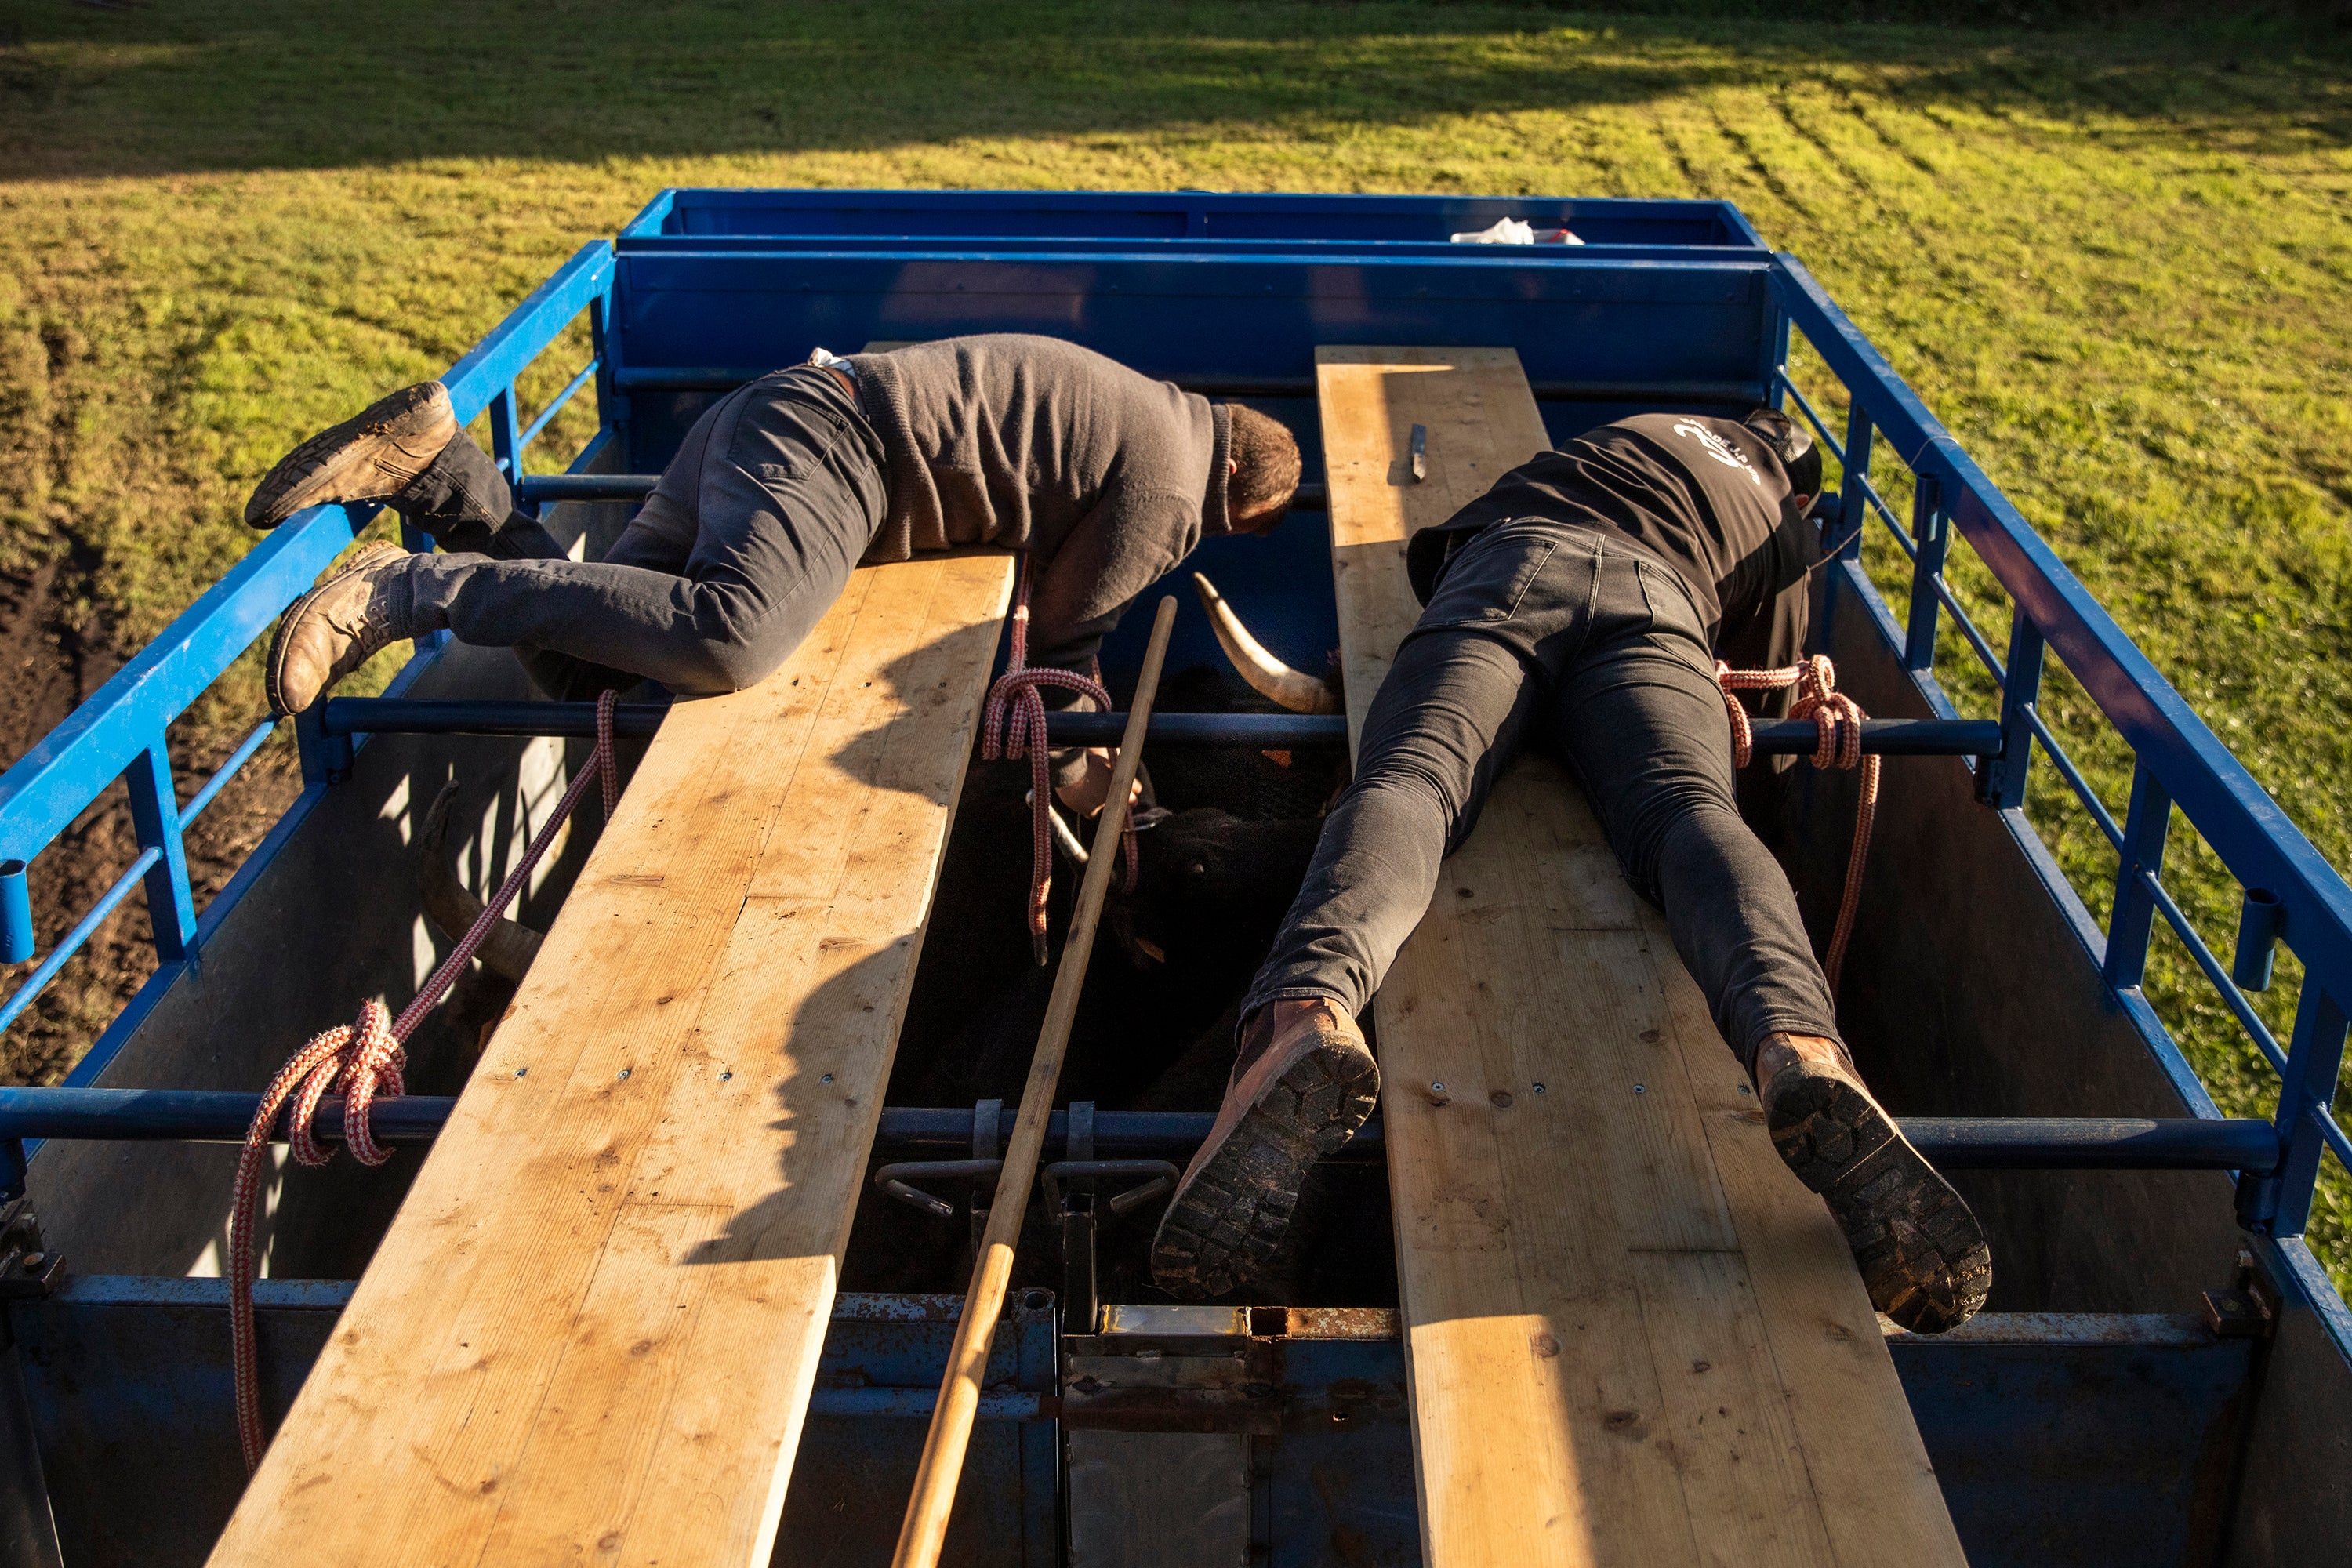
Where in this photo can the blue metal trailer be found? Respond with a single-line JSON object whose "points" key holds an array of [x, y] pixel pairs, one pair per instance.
{"points": [[2165, 1375]]}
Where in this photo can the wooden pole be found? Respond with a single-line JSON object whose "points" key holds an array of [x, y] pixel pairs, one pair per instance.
{"points": [[925, 1526]]}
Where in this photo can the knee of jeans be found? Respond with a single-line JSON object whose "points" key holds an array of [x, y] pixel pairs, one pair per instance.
{"points": [[1413, 774], [1678, 822], [730, 664]]}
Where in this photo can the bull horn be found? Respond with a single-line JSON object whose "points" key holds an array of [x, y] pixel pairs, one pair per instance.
{"points": [[1268, 676], [509, 949]]}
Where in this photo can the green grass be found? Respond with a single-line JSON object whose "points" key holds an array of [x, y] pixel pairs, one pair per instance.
{"points": [[2113, 260]]}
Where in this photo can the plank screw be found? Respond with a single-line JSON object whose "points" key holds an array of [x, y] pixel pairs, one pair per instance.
{"points": [[826, 1079], [623, 1073], [1745, 1089], [725, 1076], [520, 1071], [1639, 1088], [1539, 1089], [1437, 1089]]}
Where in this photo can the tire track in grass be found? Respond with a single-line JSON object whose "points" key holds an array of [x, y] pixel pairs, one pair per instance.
{"points": [[1692, 182], [1649, 164], [1745, 145], [1855, 107]]}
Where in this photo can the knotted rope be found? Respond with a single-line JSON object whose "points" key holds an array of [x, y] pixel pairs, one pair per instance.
{"points": [[1013, 726], [363, 1061], [1837, 723]]}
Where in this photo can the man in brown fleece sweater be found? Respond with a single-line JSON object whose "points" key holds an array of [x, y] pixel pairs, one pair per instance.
{"points": [[779, 491]]}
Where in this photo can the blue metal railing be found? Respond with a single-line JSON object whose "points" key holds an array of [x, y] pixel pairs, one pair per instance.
{"points": [[2179, 762], [120, 731]]}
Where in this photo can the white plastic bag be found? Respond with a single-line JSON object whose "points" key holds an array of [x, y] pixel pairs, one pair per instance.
{"points": [[1516, 231]]}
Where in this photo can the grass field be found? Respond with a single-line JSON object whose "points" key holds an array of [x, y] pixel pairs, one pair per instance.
{"points": [[2114, 260]]}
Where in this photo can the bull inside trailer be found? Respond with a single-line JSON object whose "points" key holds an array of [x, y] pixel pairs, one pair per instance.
{"points": [[2163, 1372]]}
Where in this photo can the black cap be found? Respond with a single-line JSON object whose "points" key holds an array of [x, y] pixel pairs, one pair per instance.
{"points": [[1794, 444]]}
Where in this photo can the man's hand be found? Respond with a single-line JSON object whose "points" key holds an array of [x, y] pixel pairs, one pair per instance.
{"points": [[1087, 795]]}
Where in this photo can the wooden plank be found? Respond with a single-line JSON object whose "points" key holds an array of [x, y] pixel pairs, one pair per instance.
{"points": [[1632, 1336], [591, 1333]]}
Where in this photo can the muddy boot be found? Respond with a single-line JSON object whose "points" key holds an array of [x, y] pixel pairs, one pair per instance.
{"points": [[1304, 1082], [338, 626], [1921, 1252], [370, 457]]}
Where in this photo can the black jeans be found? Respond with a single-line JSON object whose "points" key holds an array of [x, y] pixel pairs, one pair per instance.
{"points": [[747, 539], [1563, 634]]}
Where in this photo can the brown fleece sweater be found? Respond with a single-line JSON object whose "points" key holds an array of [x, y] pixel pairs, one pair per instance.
{"points": [[1107, 477]]}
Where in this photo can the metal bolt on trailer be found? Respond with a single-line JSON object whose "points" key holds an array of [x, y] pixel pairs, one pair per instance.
{"points": [[1667, 305]]}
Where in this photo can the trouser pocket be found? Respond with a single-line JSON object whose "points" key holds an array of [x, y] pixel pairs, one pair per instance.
{"points": [[1675, 623], [1489, 580]]}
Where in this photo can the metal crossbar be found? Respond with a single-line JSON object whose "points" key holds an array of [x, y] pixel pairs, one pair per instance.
{"points": [[349, 716], [209, 1115]]}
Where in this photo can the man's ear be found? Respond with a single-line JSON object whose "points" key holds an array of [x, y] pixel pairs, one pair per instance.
{"points": [[1233, 467]]}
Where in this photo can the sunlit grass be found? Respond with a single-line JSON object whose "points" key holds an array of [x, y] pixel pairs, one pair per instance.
{"points": [[2114, 262]]}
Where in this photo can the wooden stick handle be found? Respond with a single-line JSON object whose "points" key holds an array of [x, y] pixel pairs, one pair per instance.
{"points": [[926, 1525]]}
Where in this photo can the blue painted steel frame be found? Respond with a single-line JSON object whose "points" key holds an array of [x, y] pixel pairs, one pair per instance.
{"points": [[849, 255], [1005, 220], [2179, 764]]}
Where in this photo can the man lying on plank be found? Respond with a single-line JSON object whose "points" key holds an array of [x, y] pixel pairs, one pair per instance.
{"points": [[781, 488], [1581, 605]]}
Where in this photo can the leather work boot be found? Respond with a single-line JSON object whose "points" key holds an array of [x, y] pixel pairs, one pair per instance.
{"points": [[338, 626], [1304, 1082], [369, 457], [1922, 1253]]}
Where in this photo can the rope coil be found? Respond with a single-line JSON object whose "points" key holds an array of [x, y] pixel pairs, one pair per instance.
{"points": [[363, 1061], [1013, 726], [1837, 726]]}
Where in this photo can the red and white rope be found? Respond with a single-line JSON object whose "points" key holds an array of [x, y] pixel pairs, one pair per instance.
{"points": [[361, 1061], [1837, 724], [1013, 726]]}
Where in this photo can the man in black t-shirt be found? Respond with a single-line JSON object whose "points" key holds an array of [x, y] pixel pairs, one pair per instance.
{"points": [[1581, 603]]}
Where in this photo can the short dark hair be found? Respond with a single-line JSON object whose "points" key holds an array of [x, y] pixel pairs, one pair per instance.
{"points": [[1800, 458], [1266, 466]]}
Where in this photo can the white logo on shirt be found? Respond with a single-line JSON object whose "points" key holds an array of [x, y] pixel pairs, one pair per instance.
{"points": [[1721, 450]]}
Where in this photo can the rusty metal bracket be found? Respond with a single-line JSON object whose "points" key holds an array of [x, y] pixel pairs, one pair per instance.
{"points": [[894, 1179], [1163, 1180], [29, 1269]]}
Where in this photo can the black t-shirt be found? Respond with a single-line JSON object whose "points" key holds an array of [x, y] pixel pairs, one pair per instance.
{"points": [[1701, 495]]}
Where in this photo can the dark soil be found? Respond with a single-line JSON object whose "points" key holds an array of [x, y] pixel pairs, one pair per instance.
{"points": [[57, 652]]}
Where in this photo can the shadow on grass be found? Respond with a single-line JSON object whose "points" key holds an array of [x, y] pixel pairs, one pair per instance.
{"points": [[208, 86]]}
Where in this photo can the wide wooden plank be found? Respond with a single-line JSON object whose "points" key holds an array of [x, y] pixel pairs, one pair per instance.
{"points": [[591, 1334], [1632, 1336]]}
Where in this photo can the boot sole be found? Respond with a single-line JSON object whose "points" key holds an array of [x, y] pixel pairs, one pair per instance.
{"points": [[345, 463], [1923, 1256], [274, 668], [1229, 1217]]}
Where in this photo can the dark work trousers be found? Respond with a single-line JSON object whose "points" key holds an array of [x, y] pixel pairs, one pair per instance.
{"points": [[747, 539], [1564, 636]]}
